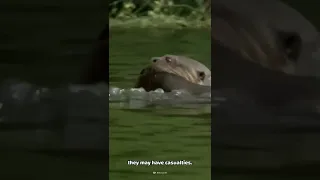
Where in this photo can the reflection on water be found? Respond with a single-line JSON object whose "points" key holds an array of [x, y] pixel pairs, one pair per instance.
{"points": [[71, 117]]}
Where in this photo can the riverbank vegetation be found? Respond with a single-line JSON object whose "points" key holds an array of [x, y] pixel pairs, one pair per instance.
{"points": [[160, 13]]}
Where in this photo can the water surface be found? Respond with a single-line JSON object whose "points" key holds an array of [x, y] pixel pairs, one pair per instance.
{"points": [[165, 131]]}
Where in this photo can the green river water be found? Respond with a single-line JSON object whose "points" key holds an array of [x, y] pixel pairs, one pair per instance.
{"points": [[155, 134]]}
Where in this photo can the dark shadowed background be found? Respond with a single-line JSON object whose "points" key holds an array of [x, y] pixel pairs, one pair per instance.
{"points": [[47, 43]]}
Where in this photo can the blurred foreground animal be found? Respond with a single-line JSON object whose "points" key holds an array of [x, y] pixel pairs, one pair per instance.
{"points": [[283, 18], [267, 113], [256, 41]]}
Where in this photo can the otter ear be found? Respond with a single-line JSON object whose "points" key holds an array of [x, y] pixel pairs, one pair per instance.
{"points": [[168, 59], [291, 43], [201, 75]]}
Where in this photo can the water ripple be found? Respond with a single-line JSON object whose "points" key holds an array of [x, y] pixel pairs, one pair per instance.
{"points": [[74, 116], [135, 98]]}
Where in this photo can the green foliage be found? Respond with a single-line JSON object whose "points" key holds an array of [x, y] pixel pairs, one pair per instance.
{"points": [[159, 14]]}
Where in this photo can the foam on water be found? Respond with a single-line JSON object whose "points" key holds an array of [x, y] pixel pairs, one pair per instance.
{"points": [[134, 98], [70, 117], [16, 94], [73, 116]]}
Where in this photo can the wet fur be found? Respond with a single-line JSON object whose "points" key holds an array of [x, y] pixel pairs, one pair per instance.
{"points": [[265, 113], [230, 70], [182, 66], [255, 40], [150, 80]]}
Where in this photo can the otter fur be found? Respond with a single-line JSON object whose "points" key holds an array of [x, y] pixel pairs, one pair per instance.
{"points": [[183, 66], [285, 17], [171, 72], [256, 40], [150, 79]]}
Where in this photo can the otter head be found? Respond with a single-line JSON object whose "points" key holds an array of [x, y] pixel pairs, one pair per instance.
{"points": [[151, 80], [256, 40], [187, 68]]}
